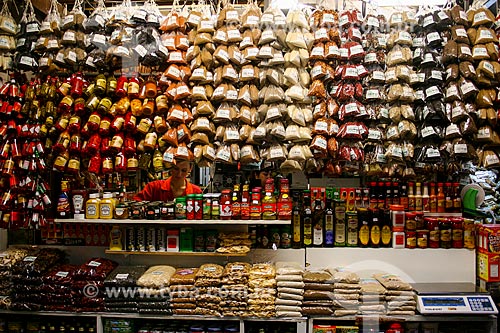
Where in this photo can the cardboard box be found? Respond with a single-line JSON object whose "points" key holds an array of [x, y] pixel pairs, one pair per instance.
{"points": [[488, 266], [489, 238], [493, 288], [186, 243]]}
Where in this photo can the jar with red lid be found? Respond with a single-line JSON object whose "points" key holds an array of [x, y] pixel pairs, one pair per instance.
{"points": [[410, 222], [457, 232], [79, 106], [121, 86], [132, 163], [61, 161], [422, 239], [62, 122], [75, 145], [129, 146], [116, 143], [105, 148], [73, 164], [104, 126], [94, 122], [134, 86], [14, 149], [226, 205], [117, 124], [62, 142], [107, 165], [120, 162], [434, 232], [445, 233], [130, 122], [75, 124], [95, 164], [84, 132], [419, 220], [94, 144]]}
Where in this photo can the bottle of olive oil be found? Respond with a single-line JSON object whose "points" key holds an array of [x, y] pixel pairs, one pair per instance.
{"points": [[307, 220], [340, 221]]}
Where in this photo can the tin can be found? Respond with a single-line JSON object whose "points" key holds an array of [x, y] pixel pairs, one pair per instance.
{"points": [[161, 239], [150, 239], [130, 239], [198, 207], [141, 239]]}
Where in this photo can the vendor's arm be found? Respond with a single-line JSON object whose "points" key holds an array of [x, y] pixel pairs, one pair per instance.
{"points": [[148, 192]]}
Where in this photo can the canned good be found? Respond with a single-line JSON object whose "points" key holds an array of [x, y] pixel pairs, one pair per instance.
{"points": [[141, 240], [422, 238], [130, 239], [150, 239], [411, 239]]}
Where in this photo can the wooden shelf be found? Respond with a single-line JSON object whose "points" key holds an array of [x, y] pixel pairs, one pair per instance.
{"points": [[177, 222], [187, 254]]}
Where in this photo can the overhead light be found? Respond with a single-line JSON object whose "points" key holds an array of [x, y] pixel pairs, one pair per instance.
{"points": [[406, 3]]}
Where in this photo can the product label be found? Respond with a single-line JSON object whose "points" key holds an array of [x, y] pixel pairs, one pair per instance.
{"points": [[122, 276], [29, 259], [94, 264]]}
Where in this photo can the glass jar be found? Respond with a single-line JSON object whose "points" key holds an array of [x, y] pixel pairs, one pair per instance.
{"points": [[410, 221], [445, 233], [104, 126], [94, 144], [104, 105], [160, 124], [122, 106], [190, 206], [95, 163], [207, 206], [121, 211], [75, 124], [94, 121], [129, 146], [132, 163], [150, 88], [74, 164], [411, 239], [121, 86], [180, 208], [148, 107], [130, 122], [198, 207], [107, 165], [226, 205], [422, 239], [117, 124], [457, 233], [136, 107], [120, 162], [161, 104], [434, 233]]}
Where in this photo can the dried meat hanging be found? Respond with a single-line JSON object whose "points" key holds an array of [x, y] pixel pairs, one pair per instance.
{"points": [[484, 45], [400, 95], [200, 57], [227, 77], [374, 98], [251, 73], [28, 29], [325, 56], [297, 109], [348, 92]]}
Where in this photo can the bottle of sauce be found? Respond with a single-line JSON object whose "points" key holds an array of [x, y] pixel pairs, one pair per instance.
{"points": [[364, 227], [457, 241], [448, 198], [375, 232], [395, 194], [411, 197], [269, 201], [115, 239], [106, 206], [318, 224], [307, 220], [441, 206], [225, 201], [457, 199], [296, 223], [418, 197], [245, 203], [329, 214], [432, 198], [92, 207], [340, 222], [385, 231], [352, 229], [63, 202], [256, 206], [236, 203], [426, 206], [388, 195], [381, 195], [445, 233], [403, 201], [373, 195], [284, 201]]}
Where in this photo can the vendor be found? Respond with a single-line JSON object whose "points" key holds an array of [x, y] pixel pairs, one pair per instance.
{"points": [[177, 185], [258, 178]]}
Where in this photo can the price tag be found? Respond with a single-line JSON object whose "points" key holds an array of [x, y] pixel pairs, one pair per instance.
{"points": [[370, 57], [321, 143], [207, 25], [378, 75], [432, 153], [479, 52], [351, 72], [465, 50], [99, 39], [72, 56], [232, 95], [344, 53], [352, 129], [483, 133], [344, 19], [267, 18], [467, 87], [437, 75], [62, 274], [157, 273], [220, 35], [452, 129], [32, 27], [278, 58], [489, 67], [382, 41], [431, 91], [428, 131], [374, 134], [252, 20], [373, 94], [397, 18], [432, 37], [223, 113], [373, 22], [428, 20], [321, 126], [321, 33], [485, 34], [404, 36], [418, 42], [26, 60], [390, 75], [442, 16], [397, 152], [396, 56], [461, 33], [29, 259], [356, 33], [251, 52], [141, 50], [428, 58], [380, 158], [392, 132], [233, 34], [318, 51], [351, 108], [327, 18], [94, 264], [491, 159], [452, 91], [357, 49]]}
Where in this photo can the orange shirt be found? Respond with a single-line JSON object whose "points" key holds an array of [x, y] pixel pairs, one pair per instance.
{"points": [[161, 190]]}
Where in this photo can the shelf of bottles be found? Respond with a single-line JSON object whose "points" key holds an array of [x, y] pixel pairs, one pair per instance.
{"points": [[176, 222]]}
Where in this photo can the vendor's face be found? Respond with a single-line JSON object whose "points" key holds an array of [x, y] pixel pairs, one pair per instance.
{"points": [[181, 170], [263, 176]]}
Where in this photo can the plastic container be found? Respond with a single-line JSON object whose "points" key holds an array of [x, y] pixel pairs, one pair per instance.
{"points": [[397, 216], [92, 206], [107, 206], [398, 238]]}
